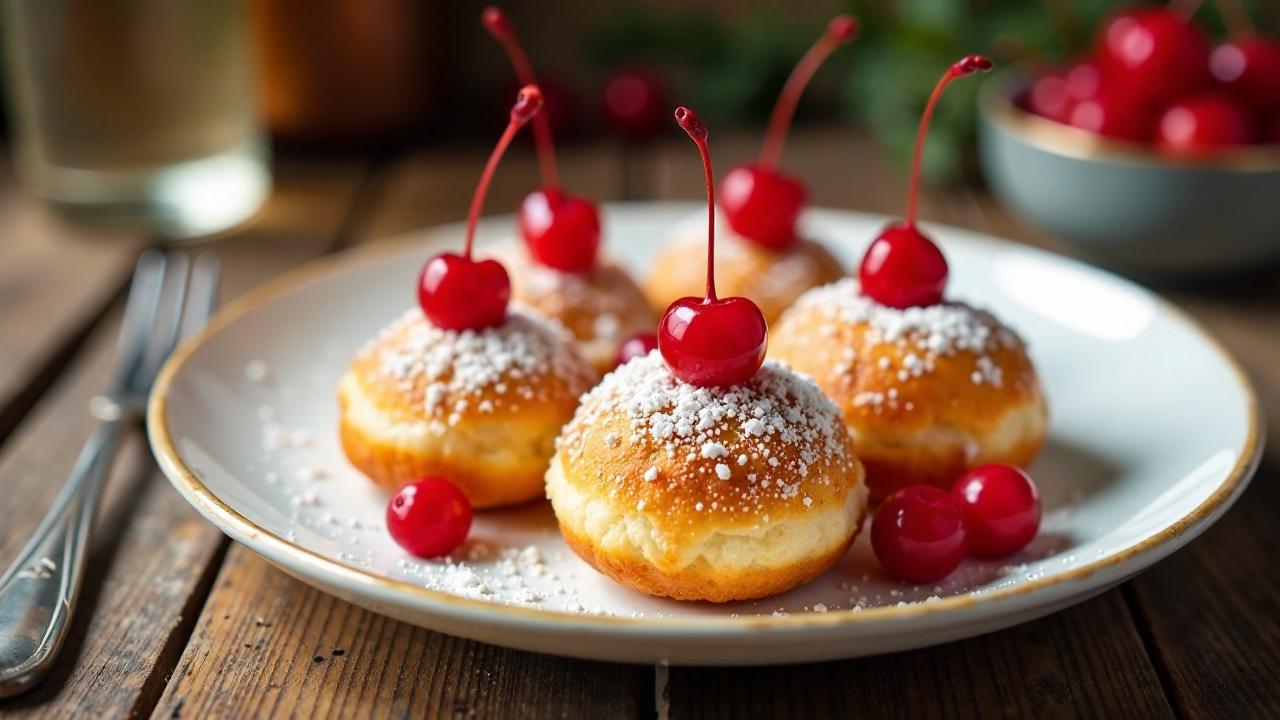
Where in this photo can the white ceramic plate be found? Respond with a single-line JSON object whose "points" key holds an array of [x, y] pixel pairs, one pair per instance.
{"points": [[1154, 433]]}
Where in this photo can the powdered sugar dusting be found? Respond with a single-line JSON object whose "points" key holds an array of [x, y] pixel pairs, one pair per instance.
{"points": [[921, 334], [454, 368], [769, 432]]}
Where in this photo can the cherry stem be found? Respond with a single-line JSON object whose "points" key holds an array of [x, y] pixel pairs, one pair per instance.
{"points": [[500, 27], [840, 30], [1236, 18], [528, 103], [692, 124], [964, 66]]}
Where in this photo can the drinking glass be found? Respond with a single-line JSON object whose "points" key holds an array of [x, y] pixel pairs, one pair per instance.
{"points": [[136, 113]]}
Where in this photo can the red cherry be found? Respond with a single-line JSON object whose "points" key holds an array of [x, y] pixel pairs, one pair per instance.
{"points": [[760, 203], [455, 291], [1112, 113], [711, 341], [637, 345], [1155, 53], [634, 101], [1001, 509], [1249, 68], [458, 293], [560, 230], [429, 517], [904, 268], [919, 534], [1204, 123]]}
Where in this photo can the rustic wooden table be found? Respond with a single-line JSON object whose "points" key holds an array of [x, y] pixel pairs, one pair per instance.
{"points": [[177, 621]]}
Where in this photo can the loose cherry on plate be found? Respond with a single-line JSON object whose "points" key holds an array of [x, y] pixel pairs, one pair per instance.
{"points": [[455, 291], [562, 231], [1155, 54], [429, 517], [710, 341], [637, 345], [903, 268], [1204, 123], [1001, 509], [760, 202], [918, 534]]}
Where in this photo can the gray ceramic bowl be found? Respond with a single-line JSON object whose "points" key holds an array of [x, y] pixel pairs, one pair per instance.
{"points": [[1123, 204]]}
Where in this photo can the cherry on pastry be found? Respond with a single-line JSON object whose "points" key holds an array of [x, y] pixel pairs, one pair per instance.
{"points": [[918, 534], [903, 268], [760, 202], [1204, 123], [637, 345], [1001, 509], [1155, 54], [562, 231], [455, 291], [429, 517], [711, 341]]}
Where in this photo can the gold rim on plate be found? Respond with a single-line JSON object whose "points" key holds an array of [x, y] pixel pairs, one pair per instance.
{"points": [[318, 565]]}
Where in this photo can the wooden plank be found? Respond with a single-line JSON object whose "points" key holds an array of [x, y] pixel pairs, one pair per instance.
{"points": [[268, 646], [1084, 662], [1212, 611], [56, 280], [153, 558]]}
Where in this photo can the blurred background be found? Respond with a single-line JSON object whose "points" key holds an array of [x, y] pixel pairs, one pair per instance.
{"points": [[164, 114]]}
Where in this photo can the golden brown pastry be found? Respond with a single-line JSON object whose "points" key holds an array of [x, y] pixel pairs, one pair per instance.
{"points": [[711, 494], [771, 278], [600, 307], [927, 392], [479, 408]]}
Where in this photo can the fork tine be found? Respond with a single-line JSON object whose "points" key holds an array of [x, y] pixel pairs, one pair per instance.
{"points": [[139, 314], [202, 294], [164, 331]]}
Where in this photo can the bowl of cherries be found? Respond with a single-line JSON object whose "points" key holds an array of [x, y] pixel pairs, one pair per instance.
{"points": [[1157, 152]]}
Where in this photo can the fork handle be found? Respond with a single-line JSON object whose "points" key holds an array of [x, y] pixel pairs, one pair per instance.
{"points": [[38, 591]]}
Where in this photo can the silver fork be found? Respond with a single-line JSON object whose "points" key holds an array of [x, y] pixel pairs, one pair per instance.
{"points": [[38, 592]]}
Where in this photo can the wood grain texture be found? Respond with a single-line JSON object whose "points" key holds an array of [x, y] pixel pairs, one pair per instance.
{"points": [[55, 282], [268, 646], [153, 558], [1084, 662]]}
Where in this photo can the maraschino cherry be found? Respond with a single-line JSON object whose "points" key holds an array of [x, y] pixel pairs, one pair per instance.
{"points": [[918, 534], [710, 341], [1001, 509], [455, 291], [760, 202], [1155, 54], [562, 231], [429, 517], [903, 268]]}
